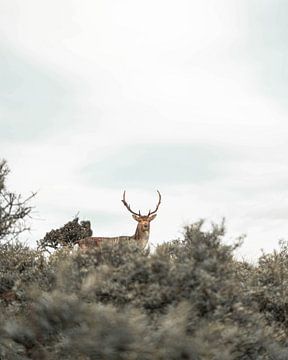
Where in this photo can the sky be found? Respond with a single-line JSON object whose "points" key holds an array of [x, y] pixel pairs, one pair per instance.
{"points": [[188, 97]]}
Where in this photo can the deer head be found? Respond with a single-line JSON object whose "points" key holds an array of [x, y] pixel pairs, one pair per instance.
{"points": [[143, 227]]}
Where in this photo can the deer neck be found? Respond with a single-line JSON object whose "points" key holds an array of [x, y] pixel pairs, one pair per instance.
{"points": [[141, 236]]}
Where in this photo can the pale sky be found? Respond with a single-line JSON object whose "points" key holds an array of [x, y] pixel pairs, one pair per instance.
{"points": [[188, 97]]}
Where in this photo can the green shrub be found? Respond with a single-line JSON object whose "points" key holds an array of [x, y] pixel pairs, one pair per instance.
{"points": [[67, 235]]}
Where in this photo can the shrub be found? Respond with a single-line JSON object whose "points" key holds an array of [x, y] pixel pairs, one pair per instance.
{"points": [[190, 299], [14, 210], [67, 235]]}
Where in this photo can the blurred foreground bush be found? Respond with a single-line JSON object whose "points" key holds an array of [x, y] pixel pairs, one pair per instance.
{"points": [[190, 299]]}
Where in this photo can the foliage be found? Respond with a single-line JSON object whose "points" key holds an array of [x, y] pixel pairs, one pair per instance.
{"points": [[14, 210], [270, 283], [190, 299], [67, 235]]}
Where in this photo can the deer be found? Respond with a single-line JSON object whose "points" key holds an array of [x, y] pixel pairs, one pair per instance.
{"points": [[141, 235]]}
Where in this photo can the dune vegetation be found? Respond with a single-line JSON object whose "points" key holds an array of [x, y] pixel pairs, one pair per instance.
{"points": [[188, 299]]}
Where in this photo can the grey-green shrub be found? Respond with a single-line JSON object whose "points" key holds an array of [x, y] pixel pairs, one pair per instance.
{"points": [[190, 299]]}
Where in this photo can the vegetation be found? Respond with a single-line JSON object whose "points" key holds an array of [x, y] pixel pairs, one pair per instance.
{"points": [[67, 235], [189, 299], [13, 209]]}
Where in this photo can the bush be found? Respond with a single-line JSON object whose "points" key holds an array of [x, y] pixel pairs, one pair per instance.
{"points": [[190, 299], [67, 235], [14, 210], [269, 281]]}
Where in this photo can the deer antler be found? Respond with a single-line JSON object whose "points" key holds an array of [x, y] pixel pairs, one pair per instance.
{"points": [[128, 206], [159, 202]]}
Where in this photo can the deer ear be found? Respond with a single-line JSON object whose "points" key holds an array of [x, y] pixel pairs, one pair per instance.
{"points": [[135, 217], [152, 217]]}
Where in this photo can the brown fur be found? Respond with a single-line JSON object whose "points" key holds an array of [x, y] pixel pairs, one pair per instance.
{"points": [[141, 235]]}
